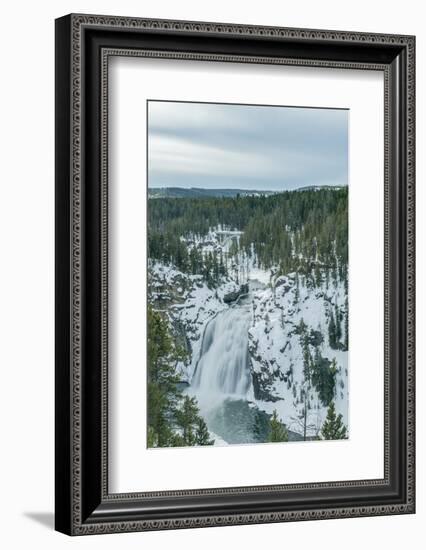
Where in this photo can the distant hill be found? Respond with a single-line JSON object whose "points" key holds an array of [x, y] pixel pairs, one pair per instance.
{"points": [[198, 192], [319, 187]]}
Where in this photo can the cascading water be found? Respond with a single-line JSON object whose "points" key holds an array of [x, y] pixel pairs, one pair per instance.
{"points": [[223, 368], [222, 381]]}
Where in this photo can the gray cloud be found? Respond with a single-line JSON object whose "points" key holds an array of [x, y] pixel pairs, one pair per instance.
{"points": [[249, 147]]}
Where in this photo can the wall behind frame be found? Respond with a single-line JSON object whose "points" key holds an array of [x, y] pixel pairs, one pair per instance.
{"points": [[27, 245]]}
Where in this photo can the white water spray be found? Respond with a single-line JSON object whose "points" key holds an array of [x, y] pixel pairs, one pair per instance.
{"points": [[223, 366]]}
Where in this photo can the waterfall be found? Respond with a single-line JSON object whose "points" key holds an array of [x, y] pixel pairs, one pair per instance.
{"points": [[223, 365]]}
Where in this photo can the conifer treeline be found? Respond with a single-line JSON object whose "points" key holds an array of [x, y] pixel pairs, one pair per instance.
{"points": [[296, 230], [317, 370], [173, 419]]}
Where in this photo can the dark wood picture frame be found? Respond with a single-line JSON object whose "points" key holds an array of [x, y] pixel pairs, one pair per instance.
{"points": [[83, 46]]}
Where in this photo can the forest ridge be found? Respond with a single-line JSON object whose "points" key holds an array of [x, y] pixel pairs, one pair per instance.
{"points": [[295, 230]]}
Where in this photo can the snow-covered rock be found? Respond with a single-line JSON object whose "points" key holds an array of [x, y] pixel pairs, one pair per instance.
{"points": [[276, 350], [280, 306]]}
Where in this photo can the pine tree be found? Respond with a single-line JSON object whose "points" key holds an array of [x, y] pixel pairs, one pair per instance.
{"points": [[163, 390], [304, 397], [332, 331], [186, 418], [159, 417], [307, 361], [331, 380], [318, 276], [278, 432], [152, 439], [297, 290], [202, 435], [222, 268], [333, 427], [338, 326], [346, 334], [301, 327], [282, 319]]}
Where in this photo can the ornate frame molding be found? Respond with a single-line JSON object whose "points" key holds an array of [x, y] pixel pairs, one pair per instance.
{"points": [[72, 46]]}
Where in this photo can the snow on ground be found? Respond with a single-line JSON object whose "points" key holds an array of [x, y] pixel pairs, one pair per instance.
{"points": [[278, 306], [218, 441], [257, 274], [277, 355]]}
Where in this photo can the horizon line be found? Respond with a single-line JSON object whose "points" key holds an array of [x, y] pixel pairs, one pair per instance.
{"points": [[245, 189]]}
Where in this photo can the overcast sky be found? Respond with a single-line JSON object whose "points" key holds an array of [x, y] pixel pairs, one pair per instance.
{"points": [[247, 147]]}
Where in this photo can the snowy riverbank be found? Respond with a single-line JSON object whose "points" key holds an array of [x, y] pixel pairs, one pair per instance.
{"points": [[257, 348]]}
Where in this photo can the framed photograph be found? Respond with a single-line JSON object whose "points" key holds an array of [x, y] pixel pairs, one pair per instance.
{"points": [[234, 274]]}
